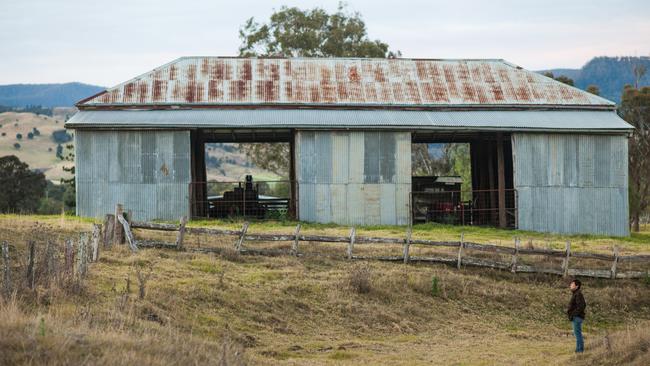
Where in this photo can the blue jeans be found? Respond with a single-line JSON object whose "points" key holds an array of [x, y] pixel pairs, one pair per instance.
{"points": [[577, 331]]}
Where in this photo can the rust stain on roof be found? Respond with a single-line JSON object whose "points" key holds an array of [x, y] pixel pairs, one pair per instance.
{"points": [[339, 81]]}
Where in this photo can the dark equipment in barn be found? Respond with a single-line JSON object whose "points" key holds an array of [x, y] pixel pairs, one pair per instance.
{"points": [[439, 199], [241, 201]]}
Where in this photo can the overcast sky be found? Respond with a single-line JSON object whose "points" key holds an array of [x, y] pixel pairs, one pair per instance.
{"points": [[107, 42]]}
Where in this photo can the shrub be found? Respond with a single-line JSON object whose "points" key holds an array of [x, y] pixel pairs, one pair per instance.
{"points": [[435, 288], [30, 136], [4, 134], [17, 146], [19, 136], [359, 279]]}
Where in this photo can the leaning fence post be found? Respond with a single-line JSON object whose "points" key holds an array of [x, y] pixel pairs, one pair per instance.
{"points": [[127, 232], [95, 243], [565, 263], [353, 234], [294, 246], [181, 233], [407, 244], [460, 250], [615, 262], [30, 263], [6, 273], [240, 242], [513, 266]]}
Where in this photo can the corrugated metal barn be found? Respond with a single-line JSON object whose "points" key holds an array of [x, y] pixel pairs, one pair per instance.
{"points": [[544, 156]]}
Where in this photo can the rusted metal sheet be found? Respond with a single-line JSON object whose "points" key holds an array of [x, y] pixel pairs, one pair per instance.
{"points": [[214, 81]]}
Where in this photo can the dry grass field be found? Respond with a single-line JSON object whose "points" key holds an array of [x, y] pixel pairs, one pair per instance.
{"points": [[232, 309]]}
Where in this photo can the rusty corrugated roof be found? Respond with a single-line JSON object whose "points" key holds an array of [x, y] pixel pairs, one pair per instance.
{"points": [[344, 82]]}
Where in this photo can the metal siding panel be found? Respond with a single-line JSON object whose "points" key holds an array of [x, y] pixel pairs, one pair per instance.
{"points": [[619, 169], [402, 205], [555, 160], [387, 206], [355, 204], [181, 151], [586, 161], [307, 157], [387, 151], [323, 157], [571, 210], [602, 160], [586, 197], [340, 158], [356, 157], [148, 158], [371, 197], [403, 157], [371, 149], [339, 209], [570, 164], [323, 207]]}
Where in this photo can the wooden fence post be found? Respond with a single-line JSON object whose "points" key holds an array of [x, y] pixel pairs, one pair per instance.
{"points": [[353, 234], [82, 256], [127, 231], [407, 244], [565, 263], [95, 243], [181, 233], [615, 262], [108, 228], [69, 257], [240, 242], [31, 245], [460, 250], [294, 247], [513, 266], [118, 231], [6, 281]]}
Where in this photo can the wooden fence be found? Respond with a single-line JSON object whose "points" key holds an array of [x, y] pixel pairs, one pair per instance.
{"points": [[461, 258]]}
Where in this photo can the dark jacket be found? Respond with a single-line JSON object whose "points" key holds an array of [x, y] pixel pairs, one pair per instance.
{"points": [[577, 305]]}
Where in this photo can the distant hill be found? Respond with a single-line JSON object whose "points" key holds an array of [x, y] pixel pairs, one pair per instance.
{"points": [[46, 95], [610, 74]]}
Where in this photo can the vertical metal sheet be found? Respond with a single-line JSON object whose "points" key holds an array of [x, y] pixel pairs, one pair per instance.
{"points": [[572, 183], [387, 148], [371, 168], [356, 157], [388, 210]]}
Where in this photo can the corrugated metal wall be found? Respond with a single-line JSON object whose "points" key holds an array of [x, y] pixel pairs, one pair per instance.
{"points": [[147, 171], [353, 178], [570, 183]]}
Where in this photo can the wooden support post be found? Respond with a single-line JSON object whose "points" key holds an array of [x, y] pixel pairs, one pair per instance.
{"points": [[108, 229], [126, 228], [181, 233], [6, 278], [118, 232], [513, 266], [353, 233], [94, 256], [614, 263], [407, 244], [294, 246], [460, 250], [240, 242], [31, 247], [501, 179], [565, 263]]}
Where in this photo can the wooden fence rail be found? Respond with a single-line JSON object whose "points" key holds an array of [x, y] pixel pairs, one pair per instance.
{"points": [[461, 257]]}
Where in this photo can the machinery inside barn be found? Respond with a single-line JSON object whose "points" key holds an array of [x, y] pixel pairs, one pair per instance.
{"points": [[246, 201], [440, 199]]}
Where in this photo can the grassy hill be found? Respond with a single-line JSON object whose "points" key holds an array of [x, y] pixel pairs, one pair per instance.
{"points": [[39, 152], [229, 309]]}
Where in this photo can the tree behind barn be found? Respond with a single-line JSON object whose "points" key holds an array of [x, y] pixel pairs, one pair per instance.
{"points": [[20, 188], [293, 32], [635, 109]]}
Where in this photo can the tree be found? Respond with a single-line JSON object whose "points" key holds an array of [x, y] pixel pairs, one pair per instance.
{"points": [[70, 195], [593, 89], [293, 32], [635, 109], [563, 79], [22, 188]]}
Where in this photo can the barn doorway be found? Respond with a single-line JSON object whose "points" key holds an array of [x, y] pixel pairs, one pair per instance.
{"points": [[229, 180], [463, 179]]}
